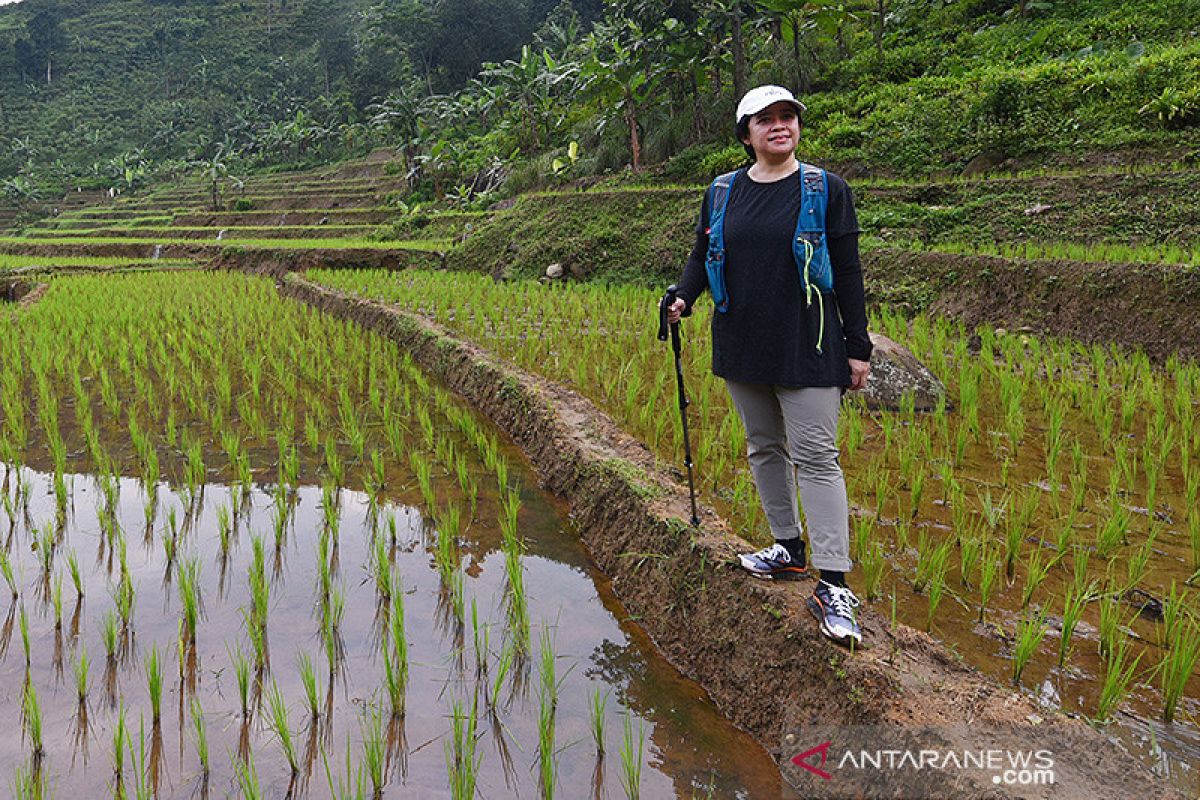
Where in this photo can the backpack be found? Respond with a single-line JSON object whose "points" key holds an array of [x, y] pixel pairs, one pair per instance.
{"points": [[809, 246]]}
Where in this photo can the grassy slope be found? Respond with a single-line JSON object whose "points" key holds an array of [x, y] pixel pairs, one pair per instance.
{"points": [[644, 236]]}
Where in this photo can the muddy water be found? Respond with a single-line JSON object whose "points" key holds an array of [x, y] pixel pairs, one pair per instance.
{"points": [[689, 749]]}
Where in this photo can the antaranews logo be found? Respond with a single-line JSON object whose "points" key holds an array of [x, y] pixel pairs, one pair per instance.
{"points": [[1022, 767], [822, 750]]}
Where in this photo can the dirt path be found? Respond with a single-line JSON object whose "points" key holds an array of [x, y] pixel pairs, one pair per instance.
{"points": [[750, 644]]}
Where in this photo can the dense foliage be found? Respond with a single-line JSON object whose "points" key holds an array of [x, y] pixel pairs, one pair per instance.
{"points": [[484, 97]]}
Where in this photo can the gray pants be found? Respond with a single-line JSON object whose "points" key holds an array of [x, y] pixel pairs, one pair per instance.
{"points": [[791, 436]]}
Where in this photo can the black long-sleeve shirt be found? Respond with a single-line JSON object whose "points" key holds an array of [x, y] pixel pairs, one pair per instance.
{"points": [[770, 333]]}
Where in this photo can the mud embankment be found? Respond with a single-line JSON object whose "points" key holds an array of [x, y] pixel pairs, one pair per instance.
{"points": [[1147, 306], [750, 644], [277, 263]]}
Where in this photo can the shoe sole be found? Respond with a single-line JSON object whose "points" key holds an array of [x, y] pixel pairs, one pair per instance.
{"points": [[791, 574], [814, 608], [783, 573]]}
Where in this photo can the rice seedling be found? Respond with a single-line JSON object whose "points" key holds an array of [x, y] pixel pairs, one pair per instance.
{"points": [[312, 692], [76, 575], [30, 783], [462, 758], [200, 730], [1114, 531], [56, 601], [1110, 624], [631, 758], [143, 781], [374, 753], [989, 571], [1073, 604], [352, 786], [241, 672], [7, 570], [280, 725], [547, 756], [1030, 632], [598, 700], [189, 597], [154, 683], [23, 626], [1175, 612], [82, 667], [382, 565], [1118, 674], [1178, 665], [1135, 566], [504, 665], [120, 737], [1037, 567], [247, 777], [31, 712], [872, 565]]}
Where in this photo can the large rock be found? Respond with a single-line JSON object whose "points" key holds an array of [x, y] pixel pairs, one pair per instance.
{"points": [[895, 371]]}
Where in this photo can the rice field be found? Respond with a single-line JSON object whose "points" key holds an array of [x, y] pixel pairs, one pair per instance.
{"points": [[251, 550], [8, 261], [1046, 528], [278, 244]]}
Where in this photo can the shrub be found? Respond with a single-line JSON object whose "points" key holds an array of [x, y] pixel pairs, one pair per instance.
{"points": [[724, 160]]}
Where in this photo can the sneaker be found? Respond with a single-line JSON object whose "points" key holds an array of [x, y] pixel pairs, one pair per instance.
{"points": [[773, 562], [833, 606]]}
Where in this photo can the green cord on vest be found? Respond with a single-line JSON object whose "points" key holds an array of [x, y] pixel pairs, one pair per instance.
{"points": [[808, 292]]}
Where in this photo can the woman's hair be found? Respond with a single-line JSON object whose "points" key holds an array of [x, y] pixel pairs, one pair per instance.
{"points": [[743, 133]]}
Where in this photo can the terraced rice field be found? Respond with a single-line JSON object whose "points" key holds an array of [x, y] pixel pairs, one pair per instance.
{"points": [[252, 550], [1045, 528]]}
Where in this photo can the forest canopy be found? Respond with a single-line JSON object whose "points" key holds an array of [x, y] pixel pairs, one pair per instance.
{"points": [[485, 96]]}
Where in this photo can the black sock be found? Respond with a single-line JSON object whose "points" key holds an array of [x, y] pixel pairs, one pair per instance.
{"points": [[834, 578], [795, 548]]}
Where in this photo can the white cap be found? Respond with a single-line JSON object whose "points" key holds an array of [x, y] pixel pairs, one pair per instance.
{"points": [[760, 97]]}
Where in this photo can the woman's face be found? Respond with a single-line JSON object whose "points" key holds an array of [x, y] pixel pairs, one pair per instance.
{"points": [[774, 131]]}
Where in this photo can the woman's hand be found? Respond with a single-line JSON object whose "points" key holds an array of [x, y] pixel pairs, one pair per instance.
{"points": [[859, 370], [675, 310]]}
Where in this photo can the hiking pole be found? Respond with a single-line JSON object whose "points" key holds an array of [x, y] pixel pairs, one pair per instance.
{"points": [[667, 301]]}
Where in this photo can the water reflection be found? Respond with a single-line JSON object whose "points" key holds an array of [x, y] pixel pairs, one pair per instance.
{"points": [[131, 601]]}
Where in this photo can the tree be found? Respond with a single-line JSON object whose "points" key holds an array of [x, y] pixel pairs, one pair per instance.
{"points": [[531, 84], [621, 75], [45, 40]]}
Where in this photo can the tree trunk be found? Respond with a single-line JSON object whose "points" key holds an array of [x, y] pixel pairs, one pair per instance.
{"points": [[880, 13], [635, 144], [800, 84], [739, 57]]}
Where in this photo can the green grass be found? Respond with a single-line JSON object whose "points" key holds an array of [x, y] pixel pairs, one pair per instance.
{"points": [[424, 245], [238, 232], [10, 261]]}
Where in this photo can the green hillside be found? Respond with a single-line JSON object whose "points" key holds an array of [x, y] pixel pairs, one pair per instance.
{"points": [[482, 100]]}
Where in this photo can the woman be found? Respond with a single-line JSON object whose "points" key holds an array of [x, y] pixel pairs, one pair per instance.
{"points": [[785, 342]]}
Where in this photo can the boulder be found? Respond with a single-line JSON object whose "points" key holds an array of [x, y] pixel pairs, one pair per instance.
{"points": [[554, 271], [895, 371]]}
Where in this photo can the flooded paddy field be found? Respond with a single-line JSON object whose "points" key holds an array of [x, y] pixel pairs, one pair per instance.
{"points": [[253, 551], [1041, 522]]}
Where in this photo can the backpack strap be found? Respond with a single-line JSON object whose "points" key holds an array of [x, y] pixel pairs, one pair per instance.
{"points": [[809, 245], [714, 262]]}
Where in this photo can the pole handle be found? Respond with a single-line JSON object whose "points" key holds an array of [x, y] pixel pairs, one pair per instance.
{"points": [[666, 302]]}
